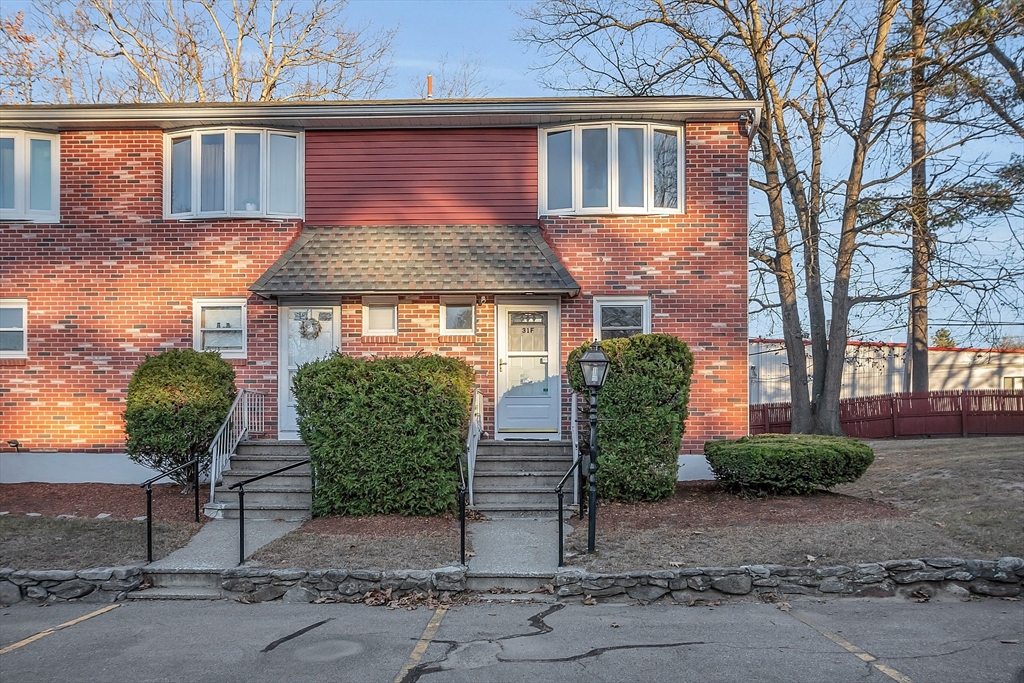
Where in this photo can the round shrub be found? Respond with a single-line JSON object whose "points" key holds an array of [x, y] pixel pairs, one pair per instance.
{"points": [[384, 434], [644, 402], [176, 402], [788, 463]]}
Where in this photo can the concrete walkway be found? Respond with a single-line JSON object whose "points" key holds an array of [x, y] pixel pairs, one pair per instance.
{"points": [[514, 552], [216, 544]]}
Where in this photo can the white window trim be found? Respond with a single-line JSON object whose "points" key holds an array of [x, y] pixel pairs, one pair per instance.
{"points": [[199, 303], [600, 301], [229, 173], [22, 191], [380, 301], [23, 305], [613, 207], [456, 301]]}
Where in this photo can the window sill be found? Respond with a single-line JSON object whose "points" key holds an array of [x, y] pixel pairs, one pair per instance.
{"points": [[13, 362], [449, 337], [379, 336]]}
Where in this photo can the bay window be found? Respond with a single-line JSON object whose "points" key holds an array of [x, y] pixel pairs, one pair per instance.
{"points": [[234, 172], [29, 176], [611, 168]]}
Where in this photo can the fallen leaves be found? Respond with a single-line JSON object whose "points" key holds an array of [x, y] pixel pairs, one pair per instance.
{"points": [[590, 601], [784, 606]]}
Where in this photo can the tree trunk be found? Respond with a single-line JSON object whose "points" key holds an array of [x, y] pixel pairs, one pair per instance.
{"points": [[919, 207]]}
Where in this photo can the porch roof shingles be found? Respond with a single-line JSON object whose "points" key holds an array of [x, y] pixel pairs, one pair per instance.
{"points": [[423, 258]]}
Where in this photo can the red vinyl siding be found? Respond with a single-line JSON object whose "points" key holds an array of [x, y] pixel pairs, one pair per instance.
{"points": [[447, 176]]}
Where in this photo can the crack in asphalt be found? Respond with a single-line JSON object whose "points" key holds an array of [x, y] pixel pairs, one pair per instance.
{"points": [[298, 633], [537, 621], [598, 651]]}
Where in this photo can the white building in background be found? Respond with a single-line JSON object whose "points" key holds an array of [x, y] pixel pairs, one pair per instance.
{"points": [[874, 368]]}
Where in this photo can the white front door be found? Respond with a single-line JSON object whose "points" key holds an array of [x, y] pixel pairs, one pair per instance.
{"points": [[529, 376], [306, 333]]}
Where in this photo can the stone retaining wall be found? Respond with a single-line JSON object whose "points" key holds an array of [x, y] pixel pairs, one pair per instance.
{"points": [[924, 577], [103, 584]]}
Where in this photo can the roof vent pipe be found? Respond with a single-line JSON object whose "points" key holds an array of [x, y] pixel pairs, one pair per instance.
{"points": [[430, 86]]}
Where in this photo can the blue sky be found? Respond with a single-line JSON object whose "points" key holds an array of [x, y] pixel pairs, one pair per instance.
{"points": [[428, 29]]}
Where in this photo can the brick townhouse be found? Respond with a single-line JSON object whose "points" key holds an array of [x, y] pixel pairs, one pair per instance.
{"points": [[503, 231]]}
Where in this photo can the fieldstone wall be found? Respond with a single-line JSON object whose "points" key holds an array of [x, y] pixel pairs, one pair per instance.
{"points": [[337, 585], [918, 578], [102, 584], [921, 578]]}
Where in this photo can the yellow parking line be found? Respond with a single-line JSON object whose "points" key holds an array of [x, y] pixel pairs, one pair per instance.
{"points": [[424, 642], [66, 624], [853, 649]]}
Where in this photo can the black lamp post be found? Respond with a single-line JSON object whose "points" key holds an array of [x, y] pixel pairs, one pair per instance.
{"points": [[594, 364]]}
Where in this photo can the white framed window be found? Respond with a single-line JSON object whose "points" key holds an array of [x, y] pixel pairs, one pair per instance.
{"points": [[218, 324], [458, 316], [239, 172], [380, 316], [625, 168], [13, 328], [29, 176], [619, 316]]}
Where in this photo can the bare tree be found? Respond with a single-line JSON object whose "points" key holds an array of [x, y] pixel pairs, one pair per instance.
{"points": [[209, 50], [828, 152], [460, 80]]}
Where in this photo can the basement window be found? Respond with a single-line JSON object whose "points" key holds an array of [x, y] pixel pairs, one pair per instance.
{"points": [[29, 177], [243, 172], [13, 328], [458, 317]]}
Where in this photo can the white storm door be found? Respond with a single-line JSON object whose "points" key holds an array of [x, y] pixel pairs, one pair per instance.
{"points": [[306, 333], [528, 377]]}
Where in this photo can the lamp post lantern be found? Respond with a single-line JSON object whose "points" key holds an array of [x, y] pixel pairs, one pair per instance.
{"points": [[594, 365]]}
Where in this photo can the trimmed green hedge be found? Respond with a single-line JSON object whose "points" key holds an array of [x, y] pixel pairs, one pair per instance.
{"points": [[788, 463], [176, 402], [384, 434], [644, 401]]}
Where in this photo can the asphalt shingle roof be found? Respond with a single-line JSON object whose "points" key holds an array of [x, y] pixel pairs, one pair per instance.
{"points": [[422, 258]]}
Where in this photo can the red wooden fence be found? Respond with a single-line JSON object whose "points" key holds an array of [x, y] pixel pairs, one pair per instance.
{"points": [[937, 413]]}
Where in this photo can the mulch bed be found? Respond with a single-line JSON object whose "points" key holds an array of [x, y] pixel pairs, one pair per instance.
{"points": [[120, 501], [706, 504], [379, 525]]}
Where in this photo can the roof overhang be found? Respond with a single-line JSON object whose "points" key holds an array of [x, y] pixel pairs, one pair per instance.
{"points": [[491, 112]]}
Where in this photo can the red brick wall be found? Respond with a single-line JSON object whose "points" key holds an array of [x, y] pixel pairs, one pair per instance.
{"points": [[114, 282], [693, 267]]}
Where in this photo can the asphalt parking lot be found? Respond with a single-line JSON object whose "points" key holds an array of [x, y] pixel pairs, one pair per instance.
{"points": [[874, 640]]}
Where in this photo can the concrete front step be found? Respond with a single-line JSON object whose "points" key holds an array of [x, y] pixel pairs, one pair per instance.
{"points": [[268, 462], [517, 495], [487, 464], [295, 449], [525, 448], [513, 581], [488, 481], [291, 479], [180, 584], [261, 496], [287, 513], [525, 510]]}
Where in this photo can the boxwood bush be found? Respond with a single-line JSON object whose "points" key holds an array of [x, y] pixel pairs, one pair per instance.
{"points": [[644, 402], [788, 463], [384, 434], [176, 402]]}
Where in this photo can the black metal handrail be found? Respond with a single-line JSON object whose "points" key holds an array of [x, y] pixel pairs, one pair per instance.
{"points": [[462, 511], [576, 466], [241, 502], [148, 485]]}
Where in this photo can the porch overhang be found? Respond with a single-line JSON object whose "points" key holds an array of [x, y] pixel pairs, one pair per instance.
{"points": [[417, 259]]}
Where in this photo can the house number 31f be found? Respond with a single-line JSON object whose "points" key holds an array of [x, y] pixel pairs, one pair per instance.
{"points": [[528, 330]]}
